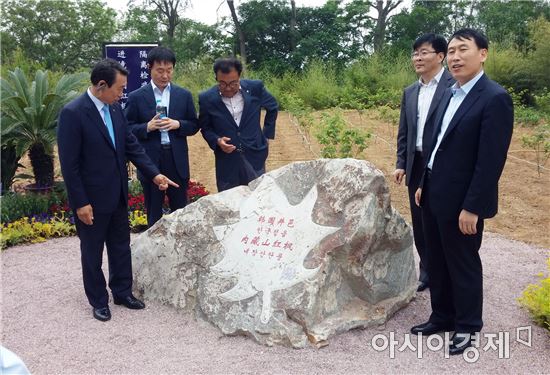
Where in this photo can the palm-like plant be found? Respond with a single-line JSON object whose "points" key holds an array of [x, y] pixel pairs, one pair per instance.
{"points": [[29, 117]]}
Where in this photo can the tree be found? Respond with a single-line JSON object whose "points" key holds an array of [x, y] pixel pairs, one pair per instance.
{"points": [[381, 21], [238, 30], [508, 21], [29, 117], [59, 34], [141, 25], [424, 17], [168, 14]]}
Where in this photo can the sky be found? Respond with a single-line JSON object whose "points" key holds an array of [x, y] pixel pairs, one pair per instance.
{"points": [[208, 11]]}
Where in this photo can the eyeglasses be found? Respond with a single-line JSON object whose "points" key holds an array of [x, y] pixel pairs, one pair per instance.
{"points": [[233, 84], [422, 53]]}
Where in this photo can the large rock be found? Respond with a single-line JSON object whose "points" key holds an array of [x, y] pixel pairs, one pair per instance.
{"points": [[302, 253]]}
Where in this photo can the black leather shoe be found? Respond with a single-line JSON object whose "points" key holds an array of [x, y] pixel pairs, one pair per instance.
{"points": [[460, 341], [429, 328], [422, 286], [130, 302], [103, 313]]}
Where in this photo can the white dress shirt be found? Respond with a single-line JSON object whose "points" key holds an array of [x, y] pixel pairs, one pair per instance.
{"points": [[459, 94], [164, 99], [98, 104], [425, 96], [235, 106]]}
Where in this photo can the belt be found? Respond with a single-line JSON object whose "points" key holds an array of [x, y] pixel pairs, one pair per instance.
{"points": [[166, 146]]}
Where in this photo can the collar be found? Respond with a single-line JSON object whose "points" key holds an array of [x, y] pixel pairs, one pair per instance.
{"points": [[434, 81], [98, 103], [155, 87], [468, 85], [238, 92]]}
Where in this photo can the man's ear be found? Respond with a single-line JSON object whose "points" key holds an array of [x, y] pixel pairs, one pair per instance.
{"points": [[101, 85]]}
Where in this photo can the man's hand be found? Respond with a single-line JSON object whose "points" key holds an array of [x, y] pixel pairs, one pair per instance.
{"points": [[226, 147], [169, 124], [85, 214], [398, 176], [467, 222], [166, 123], [417, 196], [163, 182]]}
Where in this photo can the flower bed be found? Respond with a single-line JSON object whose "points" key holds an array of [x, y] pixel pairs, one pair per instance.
{"points": [[35, 218]]}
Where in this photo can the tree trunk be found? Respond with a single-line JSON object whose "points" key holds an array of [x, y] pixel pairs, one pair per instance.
{"points": [[242, 40], [379, 34], [293, 26], [42, 165]]}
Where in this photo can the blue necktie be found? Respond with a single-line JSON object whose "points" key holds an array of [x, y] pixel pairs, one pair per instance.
{"points": [[109, 123]]}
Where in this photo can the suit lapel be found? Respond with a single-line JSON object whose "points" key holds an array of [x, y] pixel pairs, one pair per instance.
{"points": [[150, 98], [443, 84], [247, 99], [466, 104], [118, 127], [97, 121], [447, 94], [173, 100], [217, 99], [412, 110]]}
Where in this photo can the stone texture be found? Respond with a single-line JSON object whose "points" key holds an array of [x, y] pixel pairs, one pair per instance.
{"points": [[301, 254]]}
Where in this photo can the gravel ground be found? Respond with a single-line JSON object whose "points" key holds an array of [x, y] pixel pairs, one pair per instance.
{"points": [[46, 320]]}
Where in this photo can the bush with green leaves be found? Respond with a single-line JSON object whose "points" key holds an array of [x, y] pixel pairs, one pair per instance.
{"points": [[29, 116], [539, 142], [338, 139], [536, 299]]}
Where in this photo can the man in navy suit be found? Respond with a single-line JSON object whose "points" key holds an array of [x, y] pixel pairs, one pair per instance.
{"points": [[416, 127], [164, 139], [94, 143], [229, 118], [460, 188]]}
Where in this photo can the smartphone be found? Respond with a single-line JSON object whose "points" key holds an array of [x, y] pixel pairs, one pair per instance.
{"points": [[162, 111]]}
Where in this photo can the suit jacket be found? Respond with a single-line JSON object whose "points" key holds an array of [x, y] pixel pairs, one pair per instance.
{"points": [[141, 108], [215, 121], [408, 123], [93, 169], [472, 153]]}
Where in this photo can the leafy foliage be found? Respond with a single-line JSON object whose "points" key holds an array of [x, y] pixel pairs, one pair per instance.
{"points": [[59, 34], [29, 116], [338, 139], [539, 142], [536, 299], [34, 231]]}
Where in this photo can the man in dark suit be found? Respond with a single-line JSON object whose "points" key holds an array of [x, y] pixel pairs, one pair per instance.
{"points": [[94, 143], [416, 127], [164, 139], [229, 118], [460, 188]]}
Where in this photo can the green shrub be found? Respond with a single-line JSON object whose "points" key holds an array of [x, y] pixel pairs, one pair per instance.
{"points": [[135, 188], [16, 206], [338, 139], [25, 230], [536, 299], [318, 87], [539, 142], [542, 102]]}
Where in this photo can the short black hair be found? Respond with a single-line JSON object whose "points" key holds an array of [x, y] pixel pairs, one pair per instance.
{"points": [[160, 54], [438, 43], [226, 64], [477, 36], [106, 70]]}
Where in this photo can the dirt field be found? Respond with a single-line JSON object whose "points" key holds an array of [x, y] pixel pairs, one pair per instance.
{"points": [[524, 205]]}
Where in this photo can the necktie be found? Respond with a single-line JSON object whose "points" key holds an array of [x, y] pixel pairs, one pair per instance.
{"points": [[109, 123]]}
